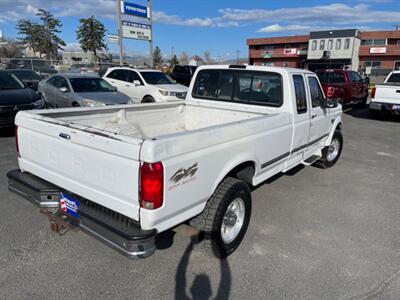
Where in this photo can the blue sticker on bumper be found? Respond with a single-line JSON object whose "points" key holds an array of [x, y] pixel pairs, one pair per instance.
{"points": [[69, 205]]}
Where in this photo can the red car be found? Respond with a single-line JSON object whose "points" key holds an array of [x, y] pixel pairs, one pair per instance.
{"points": [[345, 85]]}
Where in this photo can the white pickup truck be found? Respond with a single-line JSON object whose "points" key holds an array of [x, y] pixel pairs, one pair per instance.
{"points": [[386, 97], [127, 173]]}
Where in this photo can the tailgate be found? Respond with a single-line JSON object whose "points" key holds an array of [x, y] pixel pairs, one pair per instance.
{"points": [[387, 93], [102, 169]]}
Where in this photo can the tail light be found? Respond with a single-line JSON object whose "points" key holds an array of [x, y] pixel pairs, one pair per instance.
{"points": [[16, 139], [373, 91], [151, 185], [330, 92]]}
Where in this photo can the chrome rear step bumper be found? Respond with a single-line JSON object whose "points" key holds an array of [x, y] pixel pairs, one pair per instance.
{"points": [[114, 230]]}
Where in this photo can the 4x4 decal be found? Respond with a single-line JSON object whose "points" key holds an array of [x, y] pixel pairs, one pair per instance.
{"points": [[183, 173]]}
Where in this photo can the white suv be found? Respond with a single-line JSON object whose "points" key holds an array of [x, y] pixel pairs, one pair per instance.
{"points": [[144, 86]]}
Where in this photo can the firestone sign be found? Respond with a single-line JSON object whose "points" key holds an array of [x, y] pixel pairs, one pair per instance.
{"points": [[134, 10]]}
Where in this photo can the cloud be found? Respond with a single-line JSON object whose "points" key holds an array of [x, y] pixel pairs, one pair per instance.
{"points": [[280, 28], [295, 19], [162, 17], [335, 13]]}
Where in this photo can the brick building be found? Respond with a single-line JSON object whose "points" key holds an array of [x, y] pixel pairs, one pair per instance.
{"points": [[372, 53]]}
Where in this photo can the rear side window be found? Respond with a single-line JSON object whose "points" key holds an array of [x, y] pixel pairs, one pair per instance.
{"points": [[300, 90], [331, 77], [134, 76], [395, 77], [315, 91], [119, 75], [251, 87]]}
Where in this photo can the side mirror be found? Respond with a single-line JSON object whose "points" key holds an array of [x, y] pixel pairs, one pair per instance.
{"points": [[115, 89], [329, 103], [64, 89], [136, 83]]}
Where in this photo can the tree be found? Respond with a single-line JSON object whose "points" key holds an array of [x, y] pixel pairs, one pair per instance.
{"points": [[50, 28], [32, 35], [207, 58], [157, 57], [174, 61], [90, 35], [184, 58], [42, 38]]}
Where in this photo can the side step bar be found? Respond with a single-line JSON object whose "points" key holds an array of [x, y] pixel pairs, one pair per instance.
{"points": [[312, 159]]}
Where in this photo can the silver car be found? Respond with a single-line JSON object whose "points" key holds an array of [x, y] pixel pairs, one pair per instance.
{"points": [[66, 90]]}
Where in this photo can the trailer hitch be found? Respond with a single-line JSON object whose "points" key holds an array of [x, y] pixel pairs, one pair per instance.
{"points": [[59, 223]]}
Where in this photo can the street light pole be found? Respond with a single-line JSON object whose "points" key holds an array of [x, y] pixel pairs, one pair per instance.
{"points": [[121, 49]]}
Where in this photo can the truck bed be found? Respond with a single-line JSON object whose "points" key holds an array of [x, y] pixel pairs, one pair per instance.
{"points": [[151, 122]]}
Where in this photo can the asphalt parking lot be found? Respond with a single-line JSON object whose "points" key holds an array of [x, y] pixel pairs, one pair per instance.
{"points": [[314, 234]]}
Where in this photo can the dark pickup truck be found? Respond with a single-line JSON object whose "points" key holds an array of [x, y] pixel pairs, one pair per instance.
{"points": [[183, 74], [345, 85]]}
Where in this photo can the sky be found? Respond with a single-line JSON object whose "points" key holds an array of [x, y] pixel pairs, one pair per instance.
{"points": [[218, 26]]}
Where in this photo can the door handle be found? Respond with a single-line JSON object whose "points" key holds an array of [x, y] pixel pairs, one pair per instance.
{"points": [[127, 85], [313, 116]]}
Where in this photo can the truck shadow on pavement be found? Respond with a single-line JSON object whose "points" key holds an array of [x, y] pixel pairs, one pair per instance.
{"points": [[6, 132], [201, 286], [363, 113]]}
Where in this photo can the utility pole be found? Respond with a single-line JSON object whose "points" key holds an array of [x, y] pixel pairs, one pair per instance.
{"points": [[150, 8], [121, 49]]}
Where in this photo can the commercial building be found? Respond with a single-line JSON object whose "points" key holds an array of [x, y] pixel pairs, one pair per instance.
{"points": [[372, 53]]}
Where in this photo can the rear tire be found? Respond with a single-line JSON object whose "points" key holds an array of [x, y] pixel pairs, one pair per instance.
{"points": [[148, 99], [76, 104], [331, 153], [225, 218]]}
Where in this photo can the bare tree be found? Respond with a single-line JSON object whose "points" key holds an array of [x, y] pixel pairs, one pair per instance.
{"points": [[207, 58], [183, 58], [10, 49]]}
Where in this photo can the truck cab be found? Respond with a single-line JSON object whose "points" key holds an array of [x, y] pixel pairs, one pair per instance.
{"points": [[345, 85]]}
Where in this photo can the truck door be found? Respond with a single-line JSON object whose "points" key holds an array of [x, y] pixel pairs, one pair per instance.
{"points": [[302, 122], [320, 122]]}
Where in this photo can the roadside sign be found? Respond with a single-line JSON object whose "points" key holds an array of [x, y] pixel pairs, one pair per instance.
{"points": [[290, 51], [113, 38], [135, 10], [138, 31], [376, 50]]}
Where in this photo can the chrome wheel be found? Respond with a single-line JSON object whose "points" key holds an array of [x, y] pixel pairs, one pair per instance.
{"points": [[333, 150], [232, 221]]}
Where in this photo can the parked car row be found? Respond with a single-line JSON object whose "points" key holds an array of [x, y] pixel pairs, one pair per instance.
{"points": [[82, 86], [15, 96]]}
